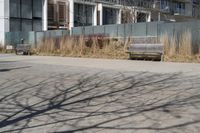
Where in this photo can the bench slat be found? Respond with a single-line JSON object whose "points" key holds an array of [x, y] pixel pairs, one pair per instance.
{"points": [[146, 48]]}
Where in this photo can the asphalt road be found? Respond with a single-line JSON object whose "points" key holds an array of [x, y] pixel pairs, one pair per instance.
{"points": [[73, 95]]}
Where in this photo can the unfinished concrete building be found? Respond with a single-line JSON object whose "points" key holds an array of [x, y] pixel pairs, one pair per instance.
{"points": [[161, 10], [22, 15], [74, 13], [39, 15]]}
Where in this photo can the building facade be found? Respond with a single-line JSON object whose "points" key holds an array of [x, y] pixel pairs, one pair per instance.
{"points": [[22, 15], [38, 15], [72, 13]]}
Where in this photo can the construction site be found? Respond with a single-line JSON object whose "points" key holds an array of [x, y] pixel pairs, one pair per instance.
{"points": [[99, 66], [102, 28]]}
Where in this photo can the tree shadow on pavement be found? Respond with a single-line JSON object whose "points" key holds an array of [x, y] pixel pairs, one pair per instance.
{"points": [[68, 103], [13, 68]]}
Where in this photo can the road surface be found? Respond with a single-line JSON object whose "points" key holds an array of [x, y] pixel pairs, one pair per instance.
{"points": [[73, 95]]}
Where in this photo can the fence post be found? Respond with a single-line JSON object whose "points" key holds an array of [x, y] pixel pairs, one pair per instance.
{"points": [[93, 29], [71, 32], [124, 33], [146, 34], [157, 32], [104, 29], [35, 39], [117, 27]]}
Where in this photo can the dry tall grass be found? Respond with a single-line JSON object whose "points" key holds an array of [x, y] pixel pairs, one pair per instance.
{"points": [[95, 46], [180, 48], [185, 44], [1, 48], [169, 45], [176, 48]]}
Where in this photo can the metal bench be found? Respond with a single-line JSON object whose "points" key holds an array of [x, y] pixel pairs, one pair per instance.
{"points": [[24, 49], [146, 51], [9, 49]]}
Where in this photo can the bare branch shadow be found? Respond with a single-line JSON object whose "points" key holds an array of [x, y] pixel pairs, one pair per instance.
{"points": [[102, 102], [13, 68]]}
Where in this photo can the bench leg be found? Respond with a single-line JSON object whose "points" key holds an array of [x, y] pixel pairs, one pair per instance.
{"points": [[162, 58], [130, 56]]}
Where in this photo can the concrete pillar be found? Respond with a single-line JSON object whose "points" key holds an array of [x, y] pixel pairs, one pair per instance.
{"points": [[159, 16], [45, 15], [149, 17], [4, 20], [133, 15], [119, 18], [95, 15], [136, 15], [100, 9], [71, 14]]}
